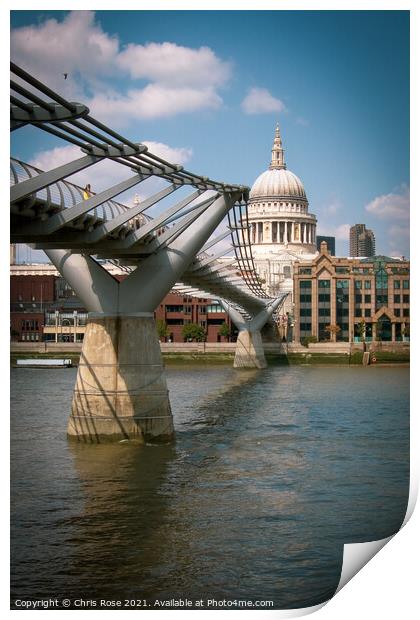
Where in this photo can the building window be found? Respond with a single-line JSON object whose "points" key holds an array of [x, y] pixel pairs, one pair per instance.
{"points": [[174, 308], [212, 308], [323, 312], [305, 270], [368, 299], [324, 284], [381, 300], [406, 283], [367, 284], [367, 312], [342, 270], [397, 284], [305, 329], [342, 284], [305, 298], [324, 297], [397, 312], [358, 299], [397, 299], [358, 312], [406, 312], [357, 284], [305, 312], [406, 299], [305, 284]]}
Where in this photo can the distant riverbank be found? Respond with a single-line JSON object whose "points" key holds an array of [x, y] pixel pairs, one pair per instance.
{"points": [[306, 357]]}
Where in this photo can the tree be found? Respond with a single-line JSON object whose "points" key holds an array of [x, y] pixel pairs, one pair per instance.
{"points": [[361, 329], [162, 329], [192, 331], [333, 330], [224, 330]]}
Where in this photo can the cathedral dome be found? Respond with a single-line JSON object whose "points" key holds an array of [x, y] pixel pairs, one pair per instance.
{"points": [[277, 182]]}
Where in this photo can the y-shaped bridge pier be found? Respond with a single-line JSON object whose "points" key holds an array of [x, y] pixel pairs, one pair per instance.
{"points": [[121, 389]]}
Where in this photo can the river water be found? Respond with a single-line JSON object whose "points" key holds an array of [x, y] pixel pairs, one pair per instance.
{"points": [[271, 473]]}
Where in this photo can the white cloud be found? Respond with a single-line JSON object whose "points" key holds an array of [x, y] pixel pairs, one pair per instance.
{"points": [[261, 101], [302, 121], [174, 65], [76, 46], [178, 79], [393, 205], [153, 101]]}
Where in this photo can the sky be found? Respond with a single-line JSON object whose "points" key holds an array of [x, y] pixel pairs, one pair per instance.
{"points": [[206, 88]]}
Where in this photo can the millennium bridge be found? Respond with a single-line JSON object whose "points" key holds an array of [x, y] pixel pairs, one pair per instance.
{"points": [[121, 390]]}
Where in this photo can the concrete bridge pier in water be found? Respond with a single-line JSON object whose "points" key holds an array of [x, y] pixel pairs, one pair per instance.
{"points": [[121, 390], [249, 352]]}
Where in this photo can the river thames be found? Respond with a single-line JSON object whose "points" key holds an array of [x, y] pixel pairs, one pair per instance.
{"points": [[270, 474]]}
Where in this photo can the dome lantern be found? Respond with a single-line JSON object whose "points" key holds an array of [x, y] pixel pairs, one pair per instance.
{"points": [[277, 152]]}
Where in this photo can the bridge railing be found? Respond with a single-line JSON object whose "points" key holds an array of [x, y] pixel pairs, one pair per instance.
{"points": [[63, 195]]}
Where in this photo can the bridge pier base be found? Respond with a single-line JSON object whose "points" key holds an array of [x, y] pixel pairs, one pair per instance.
{"points": [[120, 391], [249, 352]]}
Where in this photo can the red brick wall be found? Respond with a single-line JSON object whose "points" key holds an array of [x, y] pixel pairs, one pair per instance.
{"points": [[32, 288]]}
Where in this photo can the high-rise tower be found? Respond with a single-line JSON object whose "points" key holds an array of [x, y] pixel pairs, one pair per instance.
{"points": [[362, 241]]}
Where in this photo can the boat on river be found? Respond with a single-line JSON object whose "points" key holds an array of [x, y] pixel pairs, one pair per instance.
{"points": [[44, 363]]}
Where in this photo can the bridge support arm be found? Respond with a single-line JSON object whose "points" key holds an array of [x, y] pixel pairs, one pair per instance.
{"points": [[249, 352], [121, 391]]}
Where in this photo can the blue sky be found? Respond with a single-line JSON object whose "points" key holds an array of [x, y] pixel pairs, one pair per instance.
{"points": [[209, 86]]}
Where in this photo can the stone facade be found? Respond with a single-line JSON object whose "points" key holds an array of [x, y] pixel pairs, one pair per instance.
{"points": [[351, 299]]}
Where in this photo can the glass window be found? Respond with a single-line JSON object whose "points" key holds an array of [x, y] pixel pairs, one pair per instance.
{"points": [[397, 299], [406, 283], [397, 284], [305, 312], [305, 298], [306, 327], [381, 278], [368, 299], [324, 284], [367, 312], [342, 284], [358, 299], [305, 270], [324, 297], [381, 300], [323, 311], [358, 284], [358, 312], [406, 299], [367, 284], [305, 284], [397, 312], [406, 312]]}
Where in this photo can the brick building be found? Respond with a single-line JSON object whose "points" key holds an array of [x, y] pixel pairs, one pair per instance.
{"points": [[349, 299], [45, 308]]}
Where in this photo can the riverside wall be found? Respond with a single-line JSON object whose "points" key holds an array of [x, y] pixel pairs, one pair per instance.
{"points": [[319, 351]]}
